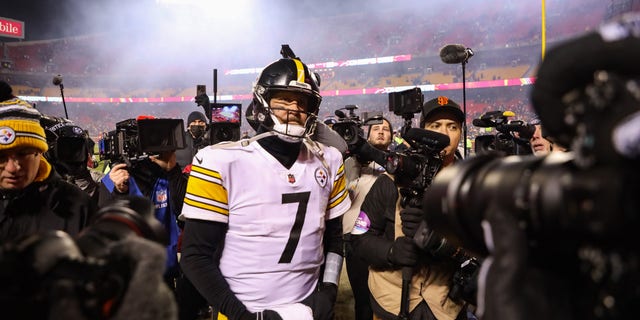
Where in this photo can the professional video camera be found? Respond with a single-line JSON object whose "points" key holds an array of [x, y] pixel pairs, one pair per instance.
{"points": [[68, 144], [505, 141], [559, 226], [349, 125], [137, 139], [226, 119], [415, 168], [112, 270]]}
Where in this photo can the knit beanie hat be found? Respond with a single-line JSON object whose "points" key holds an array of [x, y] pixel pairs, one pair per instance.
{"points": [[196, 115], [20, 126]]}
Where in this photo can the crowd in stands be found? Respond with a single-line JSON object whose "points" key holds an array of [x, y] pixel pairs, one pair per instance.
{"points": [[507, 49]]}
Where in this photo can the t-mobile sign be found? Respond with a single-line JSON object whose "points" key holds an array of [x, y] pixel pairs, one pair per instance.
{"points": [[11, 28]]}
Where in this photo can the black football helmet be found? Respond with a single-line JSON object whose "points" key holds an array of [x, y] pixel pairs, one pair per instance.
{"points": [[287, 74]]}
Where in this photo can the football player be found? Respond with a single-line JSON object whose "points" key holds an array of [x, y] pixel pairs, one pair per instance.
{"points": [[262, 237]]}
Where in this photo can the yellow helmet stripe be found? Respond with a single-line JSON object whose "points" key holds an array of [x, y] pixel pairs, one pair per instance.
{"points": [[300, 68]]}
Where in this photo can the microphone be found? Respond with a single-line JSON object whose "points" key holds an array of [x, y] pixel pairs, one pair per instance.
{"points": [[433, 140], [483, 123], [57, 80], [491, 119], [455, 53]]}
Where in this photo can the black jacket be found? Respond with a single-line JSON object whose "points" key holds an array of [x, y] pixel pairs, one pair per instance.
{"points": [[185, 156], [145, 174], [51, 204]]}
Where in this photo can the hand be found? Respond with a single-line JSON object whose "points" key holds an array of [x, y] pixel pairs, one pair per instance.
{"points": [[165, 160], [120, 177], [202, 100], [403, 252], [322, 301], [411, 218]]}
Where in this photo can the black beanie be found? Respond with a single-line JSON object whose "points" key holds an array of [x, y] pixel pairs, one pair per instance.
{"points": [[196, 115]]}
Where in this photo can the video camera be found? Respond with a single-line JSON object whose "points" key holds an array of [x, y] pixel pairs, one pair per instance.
{"points": [[566, 217], [349, 125], [69, 145], [414, 168], [137, 139], [226, 119], [112, 270], [406, 103], [505, 141]]}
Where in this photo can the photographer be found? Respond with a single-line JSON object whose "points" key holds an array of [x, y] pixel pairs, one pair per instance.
{"points": [[541, 145], [197, 137], [156, 177], [383, 237], [361, 176], [33, 196], [70, 150]]}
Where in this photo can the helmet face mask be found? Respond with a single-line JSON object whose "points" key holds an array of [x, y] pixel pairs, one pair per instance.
{"points": [[286, 75]]}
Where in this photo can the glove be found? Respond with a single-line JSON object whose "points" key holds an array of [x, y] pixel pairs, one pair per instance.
{"points": [[411, 218], [322, 301], [202, 100], [403, 252]]}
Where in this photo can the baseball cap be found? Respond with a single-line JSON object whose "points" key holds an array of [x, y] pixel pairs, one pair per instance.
{"points": [[439, 104]]}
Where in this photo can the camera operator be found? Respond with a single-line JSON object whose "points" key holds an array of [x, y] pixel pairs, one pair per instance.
{"points": [[33, 196], [541, 144], [70, 150], [159, 178], [383, 237], [197, 137], [360, 178]]}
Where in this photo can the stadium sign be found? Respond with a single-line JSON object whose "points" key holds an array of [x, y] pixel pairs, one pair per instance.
{"points": [[11, 28]]}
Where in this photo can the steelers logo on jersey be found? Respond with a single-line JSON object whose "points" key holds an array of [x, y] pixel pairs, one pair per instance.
{"points": [[321, 177]]}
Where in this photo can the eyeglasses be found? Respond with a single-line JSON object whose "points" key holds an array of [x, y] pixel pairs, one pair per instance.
{"points": [[18, 157]]}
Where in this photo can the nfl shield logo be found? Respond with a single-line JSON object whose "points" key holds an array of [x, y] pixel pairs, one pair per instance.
{"points": [[291, 178], [161, 196]]}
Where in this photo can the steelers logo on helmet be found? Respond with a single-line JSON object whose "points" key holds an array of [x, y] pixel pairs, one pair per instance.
{"points": [[290, 76]]}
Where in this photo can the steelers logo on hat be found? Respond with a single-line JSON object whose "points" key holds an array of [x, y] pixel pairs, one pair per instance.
{"points": [[7, 135]]}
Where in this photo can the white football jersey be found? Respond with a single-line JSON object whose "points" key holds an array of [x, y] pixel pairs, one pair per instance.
{"points": [[276, 216]]}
